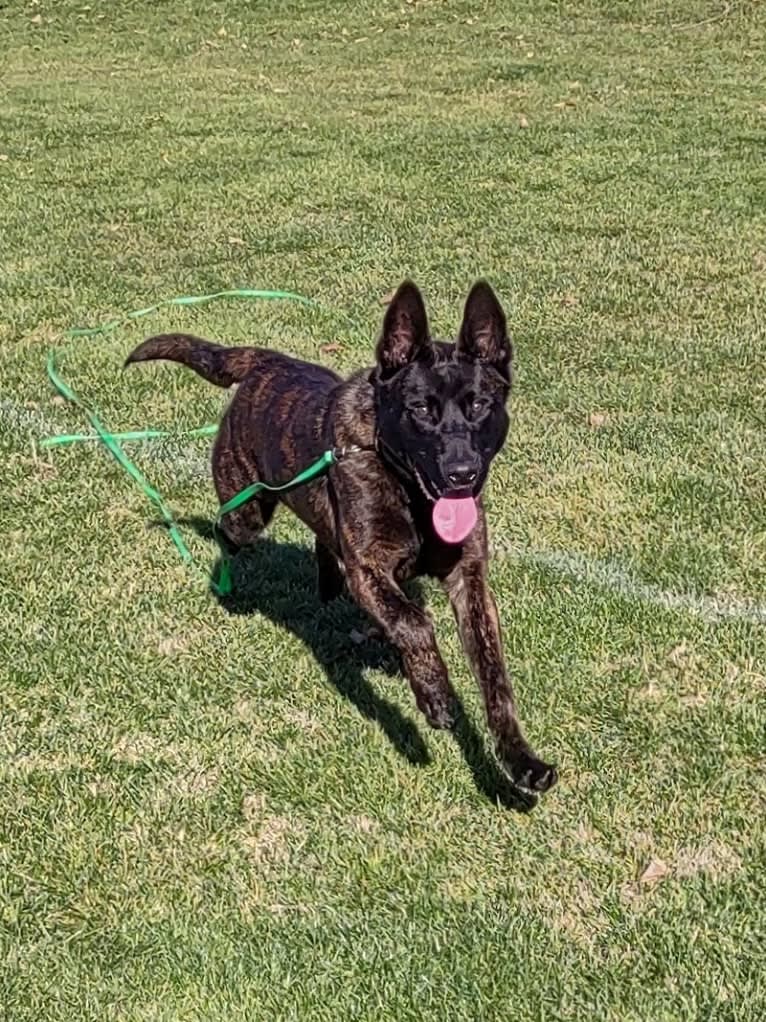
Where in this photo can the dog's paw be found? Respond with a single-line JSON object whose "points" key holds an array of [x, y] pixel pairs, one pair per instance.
{"points": [[530, 774], [439, 707]]}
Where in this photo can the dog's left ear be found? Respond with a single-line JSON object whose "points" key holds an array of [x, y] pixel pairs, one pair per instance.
{"points": [[405, 336], [483, 335]]}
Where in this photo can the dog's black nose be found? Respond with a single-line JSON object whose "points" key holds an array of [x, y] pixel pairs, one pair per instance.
{"points": [[461, 476]]}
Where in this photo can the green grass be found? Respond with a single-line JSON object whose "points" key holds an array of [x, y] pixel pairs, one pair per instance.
{"points": [[206, 816]]}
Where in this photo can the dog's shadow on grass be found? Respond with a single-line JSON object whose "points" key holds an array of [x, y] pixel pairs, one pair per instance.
{"points": [[278, 581]]}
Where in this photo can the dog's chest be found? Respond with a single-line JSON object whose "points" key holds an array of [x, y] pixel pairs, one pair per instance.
{"points": [[436, 559]]}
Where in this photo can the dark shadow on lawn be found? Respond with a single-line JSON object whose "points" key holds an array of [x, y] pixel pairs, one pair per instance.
{"points": [[278, 580]]}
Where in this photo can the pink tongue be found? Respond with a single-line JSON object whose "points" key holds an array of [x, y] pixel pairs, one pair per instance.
{"points": [[454, 517]]}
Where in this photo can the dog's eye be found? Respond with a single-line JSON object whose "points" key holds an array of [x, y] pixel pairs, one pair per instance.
{"points": [[478, 405], [420, 409]]}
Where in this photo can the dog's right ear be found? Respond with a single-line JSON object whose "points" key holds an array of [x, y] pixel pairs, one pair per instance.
{"points": [[484, 333], [405, 335]]}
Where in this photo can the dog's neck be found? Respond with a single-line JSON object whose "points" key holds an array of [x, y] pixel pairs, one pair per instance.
{"points": [[394, 462]]}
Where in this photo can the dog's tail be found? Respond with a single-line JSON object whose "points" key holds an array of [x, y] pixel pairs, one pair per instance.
{"points": [[214, 363]]}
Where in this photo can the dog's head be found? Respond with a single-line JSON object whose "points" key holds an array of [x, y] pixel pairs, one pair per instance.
{"points": [[440, 408]]}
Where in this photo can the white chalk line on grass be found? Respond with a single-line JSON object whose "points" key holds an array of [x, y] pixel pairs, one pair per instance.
{"points": [[33, 425], [615, 579], [606, 575]]}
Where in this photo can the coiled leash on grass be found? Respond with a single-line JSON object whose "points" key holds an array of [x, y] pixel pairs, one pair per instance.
{"points": [[222, 585]]}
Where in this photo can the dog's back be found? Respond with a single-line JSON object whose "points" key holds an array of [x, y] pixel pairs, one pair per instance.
{"points": [[274, 426]]}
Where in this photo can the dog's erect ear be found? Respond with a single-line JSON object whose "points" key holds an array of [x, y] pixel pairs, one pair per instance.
{"points": [[484, 334], [405, 330]]}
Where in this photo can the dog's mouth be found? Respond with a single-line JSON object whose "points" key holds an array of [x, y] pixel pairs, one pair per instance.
{"points": [[426, 487], [454, 514]]}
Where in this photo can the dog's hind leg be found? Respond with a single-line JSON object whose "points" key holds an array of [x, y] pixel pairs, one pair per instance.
{"points": [[330, 578], [242, 527], [233, 471]]}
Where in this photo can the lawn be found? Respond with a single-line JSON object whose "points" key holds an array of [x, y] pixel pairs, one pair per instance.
{"points": [[207, 815]]}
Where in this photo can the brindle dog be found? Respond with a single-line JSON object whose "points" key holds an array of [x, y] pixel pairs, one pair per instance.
{"points": [[428, 419]]}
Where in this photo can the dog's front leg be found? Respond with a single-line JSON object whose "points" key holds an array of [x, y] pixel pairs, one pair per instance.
{"points": [[476, 613], [410, 629]]}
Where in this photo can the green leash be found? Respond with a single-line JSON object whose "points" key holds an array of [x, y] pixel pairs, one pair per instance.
{"points": [[247, 292], [111, 444], [223, 585], [134, 434]]}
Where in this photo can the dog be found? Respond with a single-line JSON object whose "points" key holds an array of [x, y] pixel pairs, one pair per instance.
{"points": [[420, 429]]}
